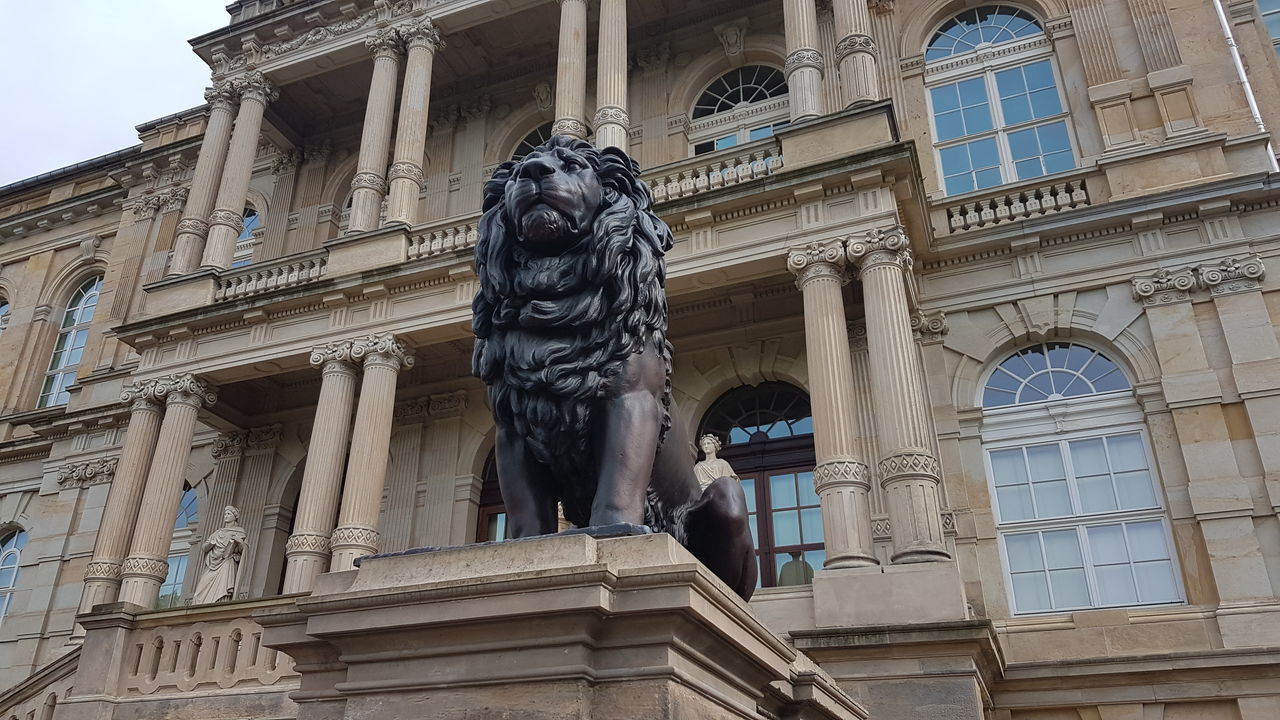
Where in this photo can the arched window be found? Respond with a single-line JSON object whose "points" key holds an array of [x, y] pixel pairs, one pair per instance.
{"points": [[998, 117], [11, 545], [246, 242], [183, 524], [536, 137], [72, 334], [767, 432], [1077, 499], [742, 105], [4, 315]]}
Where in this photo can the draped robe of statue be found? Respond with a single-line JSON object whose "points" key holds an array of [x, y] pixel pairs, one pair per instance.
{"points": [[707, 471], [221, 571]]}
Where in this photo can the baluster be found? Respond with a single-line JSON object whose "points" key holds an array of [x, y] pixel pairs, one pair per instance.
{"points": [[717, 175]]}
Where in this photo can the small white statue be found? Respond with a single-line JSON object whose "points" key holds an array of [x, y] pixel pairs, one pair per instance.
{"points": [[707, 471], [222, 552]]}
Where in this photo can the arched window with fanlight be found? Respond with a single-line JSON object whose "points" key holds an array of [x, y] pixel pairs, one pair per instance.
{"points": [[1077, 499], [743, 105], [73, 333], [530, 142], [12, 542], [995, 99], [4, 314], [766, 433]]}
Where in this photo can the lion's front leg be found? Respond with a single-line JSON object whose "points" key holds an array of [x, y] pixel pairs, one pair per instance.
{"points": [[528, 491], [631, 418]]}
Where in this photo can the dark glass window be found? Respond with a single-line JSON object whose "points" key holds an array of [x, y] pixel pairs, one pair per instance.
{"points": [[536, 137], [744, 85], [492, 523], [1051, 371], [990, 24]]}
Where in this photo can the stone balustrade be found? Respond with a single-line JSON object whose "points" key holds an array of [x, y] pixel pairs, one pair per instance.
{"points": [[291, 271], [183, 658], [713, 171], [1008, 204], [444, 239]]}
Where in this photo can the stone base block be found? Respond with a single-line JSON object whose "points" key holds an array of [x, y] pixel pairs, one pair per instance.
{"points": [[550, 628], [889, 595]]}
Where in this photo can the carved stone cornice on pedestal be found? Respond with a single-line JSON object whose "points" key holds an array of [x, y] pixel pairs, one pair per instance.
{"points": [[1232, 275], [886, 245], [817, 259], [1164, 287], [228, 445], [85, 474], [929, 327]]}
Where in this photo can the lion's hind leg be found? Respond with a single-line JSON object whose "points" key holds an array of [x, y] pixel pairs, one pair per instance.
{"points": [[719, 535], [528, 490]]}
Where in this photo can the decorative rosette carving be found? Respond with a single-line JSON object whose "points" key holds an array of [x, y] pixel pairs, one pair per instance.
{"points": [[193, 226], [407, 170], [145, 567], [422, 33], [229, 218], [369, 181], [817, 259], [184, 387], [384, 43], [880, 246], [1232, 275], [802, 58], [572, 127], [255, 85], [854, 43], [1165, 286], [612, 114]]}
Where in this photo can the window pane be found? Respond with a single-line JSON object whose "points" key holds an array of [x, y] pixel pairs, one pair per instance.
{"points": [[1015, 503], [1024, 552], [1115, 585], [987, 178], [1016, 109], [1046, 462], [1031, 592], [1008, 467], [808, 496], [811, 525], [950, 125], [959, 184], [1024, 144], [1045, 103], [1106, 545], [760, 132], [749, 489], [955, 160], [1146, 540], [1096, 494], [1126, 452], [1134, 490], [1052, 499], [727, 141], [1156, 582], [1088, 457], [786, 528], [945, 98], [782, 491], [1062, 549], [793, 569], [1070, 589], [7, 576]]}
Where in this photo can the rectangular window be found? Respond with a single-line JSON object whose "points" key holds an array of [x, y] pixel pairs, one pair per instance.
{"points": [[171, 589], [1023, 134], [1270, 10]]}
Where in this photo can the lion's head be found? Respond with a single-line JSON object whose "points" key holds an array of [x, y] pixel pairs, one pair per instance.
{"points": [[571, 271]]}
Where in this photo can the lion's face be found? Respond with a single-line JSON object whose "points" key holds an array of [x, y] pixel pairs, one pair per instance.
{"points": [[551, 198]]}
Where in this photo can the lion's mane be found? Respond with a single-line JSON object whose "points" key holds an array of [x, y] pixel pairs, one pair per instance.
{"points": [[552, 332]]}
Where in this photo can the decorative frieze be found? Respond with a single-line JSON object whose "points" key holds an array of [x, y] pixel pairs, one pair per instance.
{"points": [[854, 43], [570, 126], [92, 472], [803, 58], [439, 405], [168, 200], [840, 471]]}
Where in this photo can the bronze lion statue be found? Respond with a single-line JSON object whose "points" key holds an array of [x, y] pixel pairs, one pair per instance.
{"points": [[571, 338]]}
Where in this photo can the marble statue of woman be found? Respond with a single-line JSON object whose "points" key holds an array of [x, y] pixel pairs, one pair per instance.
{"points": [[222, 551], [707, 471]]}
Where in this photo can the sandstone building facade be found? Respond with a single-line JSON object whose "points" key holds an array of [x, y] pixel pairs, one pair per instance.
{"points": [[974, 295]]}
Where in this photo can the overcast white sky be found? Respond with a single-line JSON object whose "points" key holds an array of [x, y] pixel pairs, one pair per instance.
{"points": [[76, 76]]}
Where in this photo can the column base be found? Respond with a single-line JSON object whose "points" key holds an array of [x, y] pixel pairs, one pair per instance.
{"points": [[554, 627], [349, 543], [141, 581], [892, 595]]}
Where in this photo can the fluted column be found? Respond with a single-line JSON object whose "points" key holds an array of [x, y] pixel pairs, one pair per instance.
{"points": [[840, 477], [369, 184], [571, 71], [855, 52], [407, 179], [804, 63], [357, 531], [227, 219], [908, 470], [307, 550], [612, 122], [144, 570], [124, 501], [188, 246]]}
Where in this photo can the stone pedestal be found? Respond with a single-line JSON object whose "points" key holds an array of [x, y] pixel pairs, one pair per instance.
{"points": [[562, 626]]}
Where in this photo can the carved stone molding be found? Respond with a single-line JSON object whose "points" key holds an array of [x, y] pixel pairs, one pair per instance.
{"points": [[307, 543], [840, 471], [169, 200], [287, 162], [543, 96], [1164, 287], [357, 350], [929, 327], [146, 567], [193, 226], [611, 114], [355, 537], [229, 218], [263, 438], [854, 43], [223, 94], [228, 445], [370, 181], [1232, 275], [422, 33], [733, 38], [802, 58], [99, 570], [908, 464], [817, 260], [439, 405], [857, 330], [887, 245], [572, 127], [85, 474], [654, 58], [407, 170], [184, 388], [385, 43], [255, 85]]}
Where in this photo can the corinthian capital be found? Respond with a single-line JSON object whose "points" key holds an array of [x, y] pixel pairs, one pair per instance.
{"points": [[185, 388], [255, 85], [385, 43], [223, 94], [887, 245], [357, 350], [423, 33], [141, 395], [817, 259]]}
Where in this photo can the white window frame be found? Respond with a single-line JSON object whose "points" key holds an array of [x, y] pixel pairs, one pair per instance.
{"points": [[6, 310], [1060, 421], [1264, 14], [985, 62], [7, 591], [45, 400], [739, 122]]}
